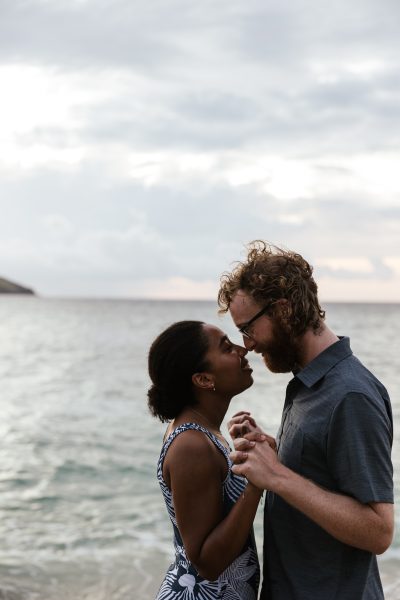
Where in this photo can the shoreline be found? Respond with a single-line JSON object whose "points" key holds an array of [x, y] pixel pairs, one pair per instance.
{"points": [[389, 568], [150, 572]]}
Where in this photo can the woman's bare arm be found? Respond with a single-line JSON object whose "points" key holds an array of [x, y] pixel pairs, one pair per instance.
{"points": [[196, 469]]}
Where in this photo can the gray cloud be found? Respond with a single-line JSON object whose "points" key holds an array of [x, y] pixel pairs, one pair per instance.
{"points": [[380, 272], [226, 76], [237, 82], [132, 232], [72, 34]]}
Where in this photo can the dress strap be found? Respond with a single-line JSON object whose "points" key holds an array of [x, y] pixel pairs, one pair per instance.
{"points": [[196, 427]]}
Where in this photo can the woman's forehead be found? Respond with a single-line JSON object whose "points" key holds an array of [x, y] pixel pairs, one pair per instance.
{"points": [[214, 334]]}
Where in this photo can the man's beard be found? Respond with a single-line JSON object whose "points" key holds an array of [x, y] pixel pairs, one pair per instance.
{"points": [[281, 354]]}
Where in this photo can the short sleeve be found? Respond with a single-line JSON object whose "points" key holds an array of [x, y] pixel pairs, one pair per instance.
{"points": [[359, 448]]}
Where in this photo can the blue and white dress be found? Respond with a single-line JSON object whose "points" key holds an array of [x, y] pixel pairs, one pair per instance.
{"points": [[240, 579]]}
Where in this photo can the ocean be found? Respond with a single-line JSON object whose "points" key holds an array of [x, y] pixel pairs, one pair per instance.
{"points": [[81, 514]]}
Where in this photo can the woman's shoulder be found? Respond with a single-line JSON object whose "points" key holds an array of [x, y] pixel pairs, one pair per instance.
{"points": [[189, 438], [189, 453]]}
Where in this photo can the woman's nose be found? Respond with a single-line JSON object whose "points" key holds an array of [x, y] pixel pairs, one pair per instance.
{"points": [[242, 351], [249, 344]]}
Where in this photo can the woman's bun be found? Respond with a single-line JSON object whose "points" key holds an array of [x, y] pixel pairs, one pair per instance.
{"points": [[158, 403], [174, 356]]}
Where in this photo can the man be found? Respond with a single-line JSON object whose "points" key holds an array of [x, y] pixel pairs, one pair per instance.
{"points": [[329, 506]]}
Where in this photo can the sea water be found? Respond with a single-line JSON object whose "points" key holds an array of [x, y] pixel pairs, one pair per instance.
{"points": [[81, 514]]}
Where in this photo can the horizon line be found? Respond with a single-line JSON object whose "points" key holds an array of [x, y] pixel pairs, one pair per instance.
{"points": [[157, 299]]}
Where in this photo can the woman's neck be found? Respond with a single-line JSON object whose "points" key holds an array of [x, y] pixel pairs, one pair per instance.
{"points": [[213, 424]]}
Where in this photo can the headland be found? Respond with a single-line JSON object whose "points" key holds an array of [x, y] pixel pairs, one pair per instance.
{"points": [[9, 287]]}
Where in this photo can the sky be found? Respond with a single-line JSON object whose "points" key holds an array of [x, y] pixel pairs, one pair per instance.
{"points": [[144, 143]]}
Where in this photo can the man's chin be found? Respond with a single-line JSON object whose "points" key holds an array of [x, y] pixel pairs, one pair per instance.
{"points": [[276, 366]]}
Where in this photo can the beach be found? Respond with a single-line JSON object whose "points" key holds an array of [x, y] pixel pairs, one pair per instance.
{"points": [[81, 513], [389, 569], [390, 574]]}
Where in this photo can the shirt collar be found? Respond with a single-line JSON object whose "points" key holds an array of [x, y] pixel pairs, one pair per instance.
{"points": [[324, 362]]}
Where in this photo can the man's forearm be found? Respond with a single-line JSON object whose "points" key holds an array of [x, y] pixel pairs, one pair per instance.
{"points": [[343, 517], [366, 526]]}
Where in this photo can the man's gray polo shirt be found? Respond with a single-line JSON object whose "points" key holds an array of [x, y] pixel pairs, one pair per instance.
{"points": [[336, 430]]}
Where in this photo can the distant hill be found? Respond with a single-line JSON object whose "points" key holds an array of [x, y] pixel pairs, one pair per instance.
{"points": [[8, 287]]}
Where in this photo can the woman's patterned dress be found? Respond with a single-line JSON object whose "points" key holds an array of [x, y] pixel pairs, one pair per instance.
{"points": [[240, 579]]}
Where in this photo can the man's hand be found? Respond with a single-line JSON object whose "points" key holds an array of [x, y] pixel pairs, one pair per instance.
{"points": [[255, 460]]}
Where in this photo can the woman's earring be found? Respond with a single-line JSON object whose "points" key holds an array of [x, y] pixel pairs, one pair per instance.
{"points": [[213, 387]]}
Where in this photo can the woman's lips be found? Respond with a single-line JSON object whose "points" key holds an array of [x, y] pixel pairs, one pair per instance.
{"points": [[246, 366]]}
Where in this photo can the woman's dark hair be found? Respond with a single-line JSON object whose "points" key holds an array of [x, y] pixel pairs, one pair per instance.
{"points": [[174, 356]]}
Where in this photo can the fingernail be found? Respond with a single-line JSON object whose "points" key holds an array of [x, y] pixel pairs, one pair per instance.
{"points": [[252, 443]]}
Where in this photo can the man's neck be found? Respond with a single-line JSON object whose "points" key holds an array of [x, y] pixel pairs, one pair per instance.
{"points": [[312, 344]]}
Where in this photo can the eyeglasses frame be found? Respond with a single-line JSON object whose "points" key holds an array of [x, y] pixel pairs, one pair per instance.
{"points": [[242, 330]]}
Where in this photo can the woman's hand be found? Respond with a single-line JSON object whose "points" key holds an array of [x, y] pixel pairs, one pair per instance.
{"points": [[243, 423]]}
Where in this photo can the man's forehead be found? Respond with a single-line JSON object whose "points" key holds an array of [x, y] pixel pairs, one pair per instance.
{"points": [[242, 298], [242, 301]]}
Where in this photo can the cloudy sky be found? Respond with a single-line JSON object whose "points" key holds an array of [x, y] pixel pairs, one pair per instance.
{"points": [[144, 142]]}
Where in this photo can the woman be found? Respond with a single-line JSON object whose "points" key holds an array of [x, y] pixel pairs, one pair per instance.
{"points": [[195, 371]]}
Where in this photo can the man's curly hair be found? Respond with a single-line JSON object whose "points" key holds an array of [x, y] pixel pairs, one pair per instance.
{"points": [[271, 273]]}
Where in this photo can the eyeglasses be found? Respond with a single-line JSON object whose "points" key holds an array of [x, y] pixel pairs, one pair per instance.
{"points": [[244, 330]]}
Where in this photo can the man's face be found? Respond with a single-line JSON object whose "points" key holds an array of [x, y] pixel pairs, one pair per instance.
{"points": [[268, 336]]}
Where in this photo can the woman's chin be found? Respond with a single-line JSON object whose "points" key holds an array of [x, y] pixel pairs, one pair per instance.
{"points": [[250, 381], [245, 384]]}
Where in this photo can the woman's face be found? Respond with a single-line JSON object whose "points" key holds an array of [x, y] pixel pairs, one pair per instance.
{"points": [[227, 363]]}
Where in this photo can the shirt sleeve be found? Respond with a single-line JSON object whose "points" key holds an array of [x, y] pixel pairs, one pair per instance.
{"points": [[359, 448]]}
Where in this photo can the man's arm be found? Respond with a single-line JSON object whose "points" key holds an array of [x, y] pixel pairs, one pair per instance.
{"points": [[365, 526]]}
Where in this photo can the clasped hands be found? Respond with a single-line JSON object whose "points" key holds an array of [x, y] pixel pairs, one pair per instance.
{"points": [[255, 455]]}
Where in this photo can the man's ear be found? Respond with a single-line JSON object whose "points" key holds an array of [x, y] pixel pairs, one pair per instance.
{"points": [[203, 381], [282, 307], [284, 312]]}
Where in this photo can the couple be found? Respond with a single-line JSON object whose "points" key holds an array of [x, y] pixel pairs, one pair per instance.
{"points": [[329, 504]]}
